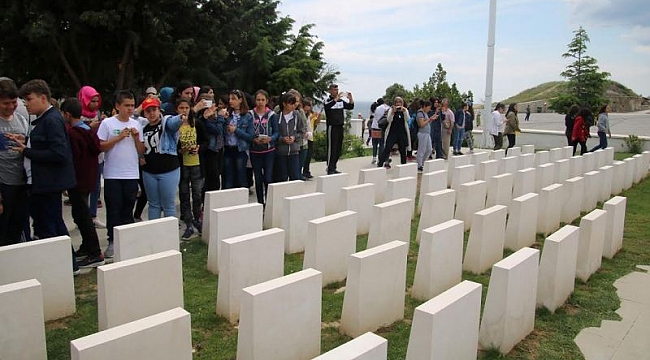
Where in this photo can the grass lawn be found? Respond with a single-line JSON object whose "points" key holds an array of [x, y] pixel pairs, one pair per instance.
{"points": [[214, 338]]}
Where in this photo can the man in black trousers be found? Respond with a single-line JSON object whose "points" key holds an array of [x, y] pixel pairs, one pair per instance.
{"points": [[335, 118]]}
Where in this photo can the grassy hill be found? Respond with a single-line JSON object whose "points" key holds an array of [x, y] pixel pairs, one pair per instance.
{"points": [[551, 89]]}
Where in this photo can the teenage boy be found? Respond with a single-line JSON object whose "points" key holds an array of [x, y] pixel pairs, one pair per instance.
{"points": [[121, 140], [48, 160], [13, 188], [85, 150]]}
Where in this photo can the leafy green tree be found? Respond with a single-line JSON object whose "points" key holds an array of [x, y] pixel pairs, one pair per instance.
{"points": [[241, 44], [586, 83], [397, 90], [438, 87]]}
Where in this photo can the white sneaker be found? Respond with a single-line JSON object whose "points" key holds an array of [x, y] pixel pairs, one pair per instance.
{"points": [[99, 224], [374, 160]]}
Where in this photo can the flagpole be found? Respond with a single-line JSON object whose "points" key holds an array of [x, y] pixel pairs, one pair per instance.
{"points": [[489, 77]]}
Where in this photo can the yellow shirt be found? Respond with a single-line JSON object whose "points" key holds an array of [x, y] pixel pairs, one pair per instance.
{"points": [[188, 141]]}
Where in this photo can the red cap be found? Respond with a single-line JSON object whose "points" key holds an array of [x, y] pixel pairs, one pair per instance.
{"points": [[149, 102]]}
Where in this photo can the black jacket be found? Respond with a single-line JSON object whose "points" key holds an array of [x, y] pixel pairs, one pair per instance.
{"points": [[50, 154], [334, 111]]}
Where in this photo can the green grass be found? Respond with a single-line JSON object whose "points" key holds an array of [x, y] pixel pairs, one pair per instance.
{"points": [[214, 338]]}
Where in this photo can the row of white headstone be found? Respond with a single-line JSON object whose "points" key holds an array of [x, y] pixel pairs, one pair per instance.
{"points": [[120, 306]]}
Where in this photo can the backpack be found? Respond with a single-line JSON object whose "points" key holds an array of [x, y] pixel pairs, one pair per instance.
{"points": [[383, 120]]}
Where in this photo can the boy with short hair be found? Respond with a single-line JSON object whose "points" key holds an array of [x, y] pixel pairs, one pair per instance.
{"points": [[122, 142], [85, 149]]}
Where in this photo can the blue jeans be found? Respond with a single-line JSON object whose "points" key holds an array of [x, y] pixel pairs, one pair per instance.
{"points": [[436, 140], [191, 184], [119, 196], [263, 171], [377, 146], [161, 192], [602, 142], [94, 196], [234, 164], [459, 134], [287, 166]]}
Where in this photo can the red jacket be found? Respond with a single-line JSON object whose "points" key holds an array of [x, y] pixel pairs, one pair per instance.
{"points": [[85, 149], [580, 132]]}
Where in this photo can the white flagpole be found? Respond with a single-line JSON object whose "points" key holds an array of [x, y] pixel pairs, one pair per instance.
{"points": [[487, 105]]}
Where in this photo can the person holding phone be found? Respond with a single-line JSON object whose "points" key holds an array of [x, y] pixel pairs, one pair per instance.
{"points": [[397, 132], [335, 108], [262, 150]]}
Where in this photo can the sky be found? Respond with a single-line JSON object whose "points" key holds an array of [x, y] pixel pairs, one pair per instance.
{"points": [[376, 43]]}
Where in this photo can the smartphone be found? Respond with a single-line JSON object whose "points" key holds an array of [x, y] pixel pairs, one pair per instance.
{"points": [[3, 142], [208, 103]]}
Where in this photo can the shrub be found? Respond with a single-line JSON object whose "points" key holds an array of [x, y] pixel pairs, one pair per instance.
{"points": [[634, 144], [352, 146]]}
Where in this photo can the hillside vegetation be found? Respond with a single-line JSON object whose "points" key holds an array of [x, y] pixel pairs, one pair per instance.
{"points": [[551, 89]]}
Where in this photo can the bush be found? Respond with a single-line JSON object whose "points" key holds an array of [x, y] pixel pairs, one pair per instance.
{"points": [[634, 144], [352, 146]]}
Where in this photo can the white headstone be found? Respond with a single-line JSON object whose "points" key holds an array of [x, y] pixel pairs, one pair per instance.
{"points": [[360, 199], [640, 172], [509, 165], [514, 151], [550, 209], [591, 191], [618, 178], [509, 312], [163, 336], [522, 222], [572, 199], [401, 188], [487, 170], [330, 242], [568, 151], [366, 347], [556, 154], [407, 170], [374, 293], [391, 221], [470, 199], [562, 171], [590, 248], [528, 149], [500, 190], [146, 238], [526, 161], [497, 154], [486, 240], [542, 157], [613, 241], [375, 176], [50, 262], [557, 268], [230, 222], [434, 165], [438, 207], [331, 186], [605, 186], [446, 327], [245, 261], [524, 182], [431, 182], [217, 199], [281, 318], [297, 212], [133, 289], [463, 174], [22, 334], [477, 158], [440, 260], [576, 166], [454, 162], [590, 161], [275, 200], [545, 176], [609, 156]]}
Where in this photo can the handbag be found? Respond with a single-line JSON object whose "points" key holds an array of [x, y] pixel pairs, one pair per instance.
{"points": [[375, 134]]}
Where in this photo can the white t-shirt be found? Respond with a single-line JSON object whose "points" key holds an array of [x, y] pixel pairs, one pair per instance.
{"points": [[379, 112], [121, 161], [497, 123]]}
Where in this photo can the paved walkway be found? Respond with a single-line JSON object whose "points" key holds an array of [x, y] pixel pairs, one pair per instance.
{"points": [[629, 338], [637, 123]]}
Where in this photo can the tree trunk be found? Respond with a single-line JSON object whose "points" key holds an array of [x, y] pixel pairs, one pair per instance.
{"points": [[122, 66], [66, 63]]}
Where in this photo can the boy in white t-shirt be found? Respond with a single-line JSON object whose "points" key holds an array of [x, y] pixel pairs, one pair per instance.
{"points": [[121, 140]]}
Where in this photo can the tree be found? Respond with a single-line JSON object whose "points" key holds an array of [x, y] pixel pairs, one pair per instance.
{"points": [[586, 83], [396, 90], [240, 44], [438, 87]]}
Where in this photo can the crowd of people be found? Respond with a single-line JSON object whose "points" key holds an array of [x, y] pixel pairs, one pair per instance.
{"points": [[578, 120], [425, 126], [184, 140]]}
